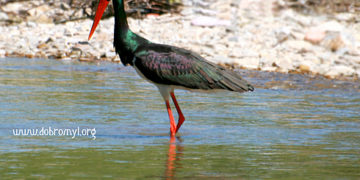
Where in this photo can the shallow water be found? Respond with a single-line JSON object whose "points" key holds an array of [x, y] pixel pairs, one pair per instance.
{"points": [[291, 126]]}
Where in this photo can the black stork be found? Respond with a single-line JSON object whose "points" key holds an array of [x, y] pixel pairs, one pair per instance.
{"points": [[167, 67]]}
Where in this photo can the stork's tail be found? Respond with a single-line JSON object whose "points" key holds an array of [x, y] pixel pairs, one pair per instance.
{"points": [[234, 82]]}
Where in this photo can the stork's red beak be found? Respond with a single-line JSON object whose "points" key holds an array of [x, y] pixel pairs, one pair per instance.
{"points": [[99, 12]]}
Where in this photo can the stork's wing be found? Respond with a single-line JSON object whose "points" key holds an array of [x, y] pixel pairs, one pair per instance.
{"points": [[175, 66]]}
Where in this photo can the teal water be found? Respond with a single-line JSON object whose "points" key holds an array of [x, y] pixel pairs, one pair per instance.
{"points": [[291, 126]]}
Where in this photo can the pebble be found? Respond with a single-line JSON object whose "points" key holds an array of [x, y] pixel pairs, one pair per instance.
{"points": [[333, 41], [3, 16], [340, 70], [209, 21], [315, 35], [304, 68], [2, 53]]}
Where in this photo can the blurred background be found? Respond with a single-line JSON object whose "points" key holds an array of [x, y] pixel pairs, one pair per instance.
{"points": [[316, 37], [62, 11], [66, 10]]}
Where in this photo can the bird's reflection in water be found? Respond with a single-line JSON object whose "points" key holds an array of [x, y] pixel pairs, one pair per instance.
{"points": [[174, 157]]}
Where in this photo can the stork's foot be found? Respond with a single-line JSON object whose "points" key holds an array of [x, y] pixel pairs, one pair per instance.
{"points": [[172, 132]]}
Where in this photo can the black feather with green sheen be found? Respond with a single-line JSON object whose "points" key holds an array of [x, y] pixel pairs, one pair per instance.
{"points": [[170, 65]]}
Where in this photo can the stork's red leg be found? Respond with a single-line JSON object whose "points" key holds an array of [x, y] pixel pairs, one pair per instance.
{"points": [[171, 117], [181, 116]]}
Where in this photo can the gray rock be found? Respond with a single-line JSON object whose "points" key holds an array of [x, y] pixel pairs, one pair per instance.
{"points": [[64, 6], [340, 70], [31, 24], [3, 16], [283, 34], [14, 7], [2, 53], [209, 21]]}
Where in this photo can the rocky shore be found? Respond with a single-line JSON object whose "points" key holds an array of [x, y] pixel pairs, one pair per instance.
{"points": [[251, 34]]}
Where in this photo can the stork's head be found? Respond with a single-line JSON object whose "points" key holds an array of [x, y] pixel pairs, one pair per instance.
{"points": [[99, 12]]}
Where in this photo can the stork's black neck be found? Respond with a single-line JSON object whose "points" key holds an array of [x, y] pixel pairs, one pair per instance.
{"points": [[126, 42], [120, 16]]}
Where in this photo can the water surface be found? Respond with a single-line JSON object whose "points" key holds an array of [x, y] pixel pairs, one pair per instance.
{"points": [[291, 126]]}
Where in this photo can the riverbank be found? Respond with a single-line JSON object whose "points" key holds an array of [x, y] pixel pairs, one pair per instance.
{"points": [[251, 35]]}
